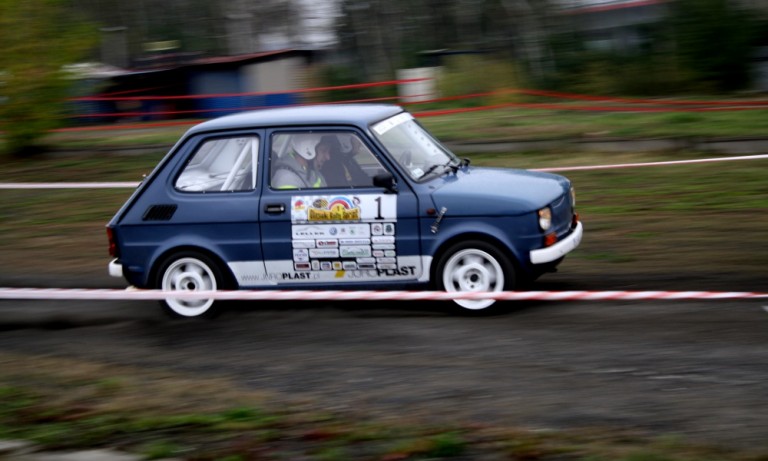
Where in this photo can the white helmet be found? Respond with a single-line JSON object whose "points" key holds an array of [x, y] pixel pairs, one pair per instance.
{"points": [[304, 145]]}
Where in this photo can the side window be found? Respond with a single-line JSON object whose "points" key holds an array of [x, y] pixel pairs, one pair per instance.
{"points": [[353, 164], [321, 159], [221, 165]]}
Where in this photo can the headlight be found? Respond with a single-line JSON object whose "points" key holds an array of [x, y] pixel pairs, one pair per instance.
{"points": [[573, 197], [545, 218]]}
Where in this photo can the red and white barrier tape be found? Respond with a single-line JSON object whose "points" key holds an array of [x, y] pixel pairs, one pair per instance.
{"points": [[368, 295], [670, 162], [68, 185], [113, 185]]}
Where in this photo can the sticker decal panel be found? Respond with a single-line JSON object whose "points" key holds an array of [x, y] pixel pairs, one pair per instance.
{"points": [[345, 237], [344, 208]]}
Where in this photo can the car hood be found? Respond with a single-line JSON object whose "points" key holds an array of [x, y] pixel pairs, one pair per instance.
{"points": [[496, 191]]}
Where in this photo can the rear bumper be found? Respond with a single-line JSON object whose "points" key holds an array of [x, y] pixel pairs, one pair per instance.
{"points": [[559, 249], [115, 268]]}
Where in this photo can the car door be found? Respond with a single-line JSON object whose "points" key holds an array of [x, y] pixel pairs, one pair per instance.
{"points": [[343, 229]]}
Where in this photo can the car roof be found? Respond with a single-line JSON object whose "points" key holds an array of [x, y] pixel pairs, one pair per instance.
{"points": [[331, 114]]}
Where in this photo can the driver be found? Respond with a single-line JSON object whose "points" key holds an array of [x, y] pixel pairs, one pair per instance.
{"points": [[300, 168], [340, 168]]}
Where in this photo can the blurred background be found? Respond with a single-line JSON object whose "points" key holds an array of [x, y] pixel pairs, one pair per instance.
{"points": [[71, 63], [98, 90]]}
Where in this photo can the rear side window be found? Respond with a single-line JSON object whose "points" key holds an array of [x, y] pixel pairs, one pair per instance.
{"points": [[221, 165]]}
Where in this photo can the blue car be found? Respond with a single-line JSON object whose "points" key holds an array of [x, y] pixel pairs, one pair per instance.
{"points": [[335, 197]]}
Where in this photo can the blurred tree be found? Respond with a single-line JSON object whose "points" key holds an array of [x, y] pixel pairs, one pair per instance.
{"points": [[39, 38], [207, 27], [703, 46], [381, 36], [714, 39]]}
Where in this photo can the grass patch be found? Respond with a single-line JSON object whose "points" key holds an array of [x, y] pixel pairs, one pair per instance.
{"points": [[518, 124]]}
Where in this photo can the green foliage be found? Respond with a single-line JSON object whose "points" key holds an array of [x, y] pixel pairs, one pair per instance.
{"points": [[160, 449], [448, 444], [702, 46], [606, 73], [460, 77], [436, 446], [38, 39], [714, 40], [341, 75]]}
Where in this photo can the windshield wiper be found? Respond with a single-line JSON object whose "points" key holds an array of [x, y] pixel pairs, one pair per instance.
{"points": [[448, 164]]}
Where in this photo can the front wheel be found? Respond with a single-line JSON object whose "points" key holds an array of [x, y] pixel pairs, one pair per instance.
{"points": [[475, 266], [189, 271]]}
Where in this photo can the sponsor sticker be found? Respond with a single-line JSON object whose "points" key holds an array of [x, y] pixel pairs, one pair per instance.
{"points": [[301, 255], [355, 251], [343, 208], [329, 231], [324, 253], [386, 125], [354, 241], [338, 208]]}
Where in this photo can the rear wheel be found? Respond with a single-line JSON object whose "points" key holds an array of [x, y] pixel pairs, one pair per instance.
{"points": [[475, 266], [189, 271]]}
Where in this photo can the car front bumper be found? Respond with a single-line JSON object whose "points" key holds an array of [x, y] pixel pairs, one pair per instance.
{"points": [[559, 249]]}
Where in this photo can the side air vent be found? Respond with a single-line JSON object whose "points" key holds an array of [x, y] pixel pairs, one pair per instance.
{"points": [[159, 213]]}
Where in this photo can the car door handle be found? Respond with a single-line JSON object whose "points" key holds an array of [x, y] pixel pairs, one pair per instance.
{"points": [[275, 208]]}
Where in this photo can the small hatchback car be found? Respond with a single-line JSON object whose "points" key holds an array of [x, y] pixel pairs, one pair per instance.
{"points": [[342, 197]]}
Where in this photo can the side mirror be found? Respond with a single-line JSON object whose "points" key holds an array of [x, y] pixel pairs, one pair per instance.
{"points": [[387, 181]]}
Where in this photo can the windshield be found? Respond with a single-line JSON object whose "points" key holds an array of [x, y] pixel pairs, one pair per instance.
{"points": [[420, 155]]}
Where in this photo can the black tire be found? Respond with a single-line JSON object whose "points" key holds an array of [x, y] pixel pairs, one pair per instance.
{"points": [[475, 265], [190, 271]]}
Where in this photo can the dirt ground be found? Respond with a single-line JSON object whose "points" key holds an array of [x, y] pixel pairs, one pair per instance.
{"points": [[694, 369]]}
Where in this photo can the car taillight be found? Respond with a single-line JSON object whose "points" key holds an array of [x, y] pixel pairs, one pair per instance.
{"points": [[112, 242]]}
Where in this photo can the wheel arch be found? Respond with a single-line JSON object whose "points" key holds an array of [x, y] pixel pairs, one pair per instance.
{"points": [[462, 237], [229, 281]]}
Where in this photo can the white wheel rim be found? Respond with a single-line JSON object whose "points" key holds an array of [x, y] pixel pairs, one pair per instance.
{"points": [[473, 270], [189, 274]]}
